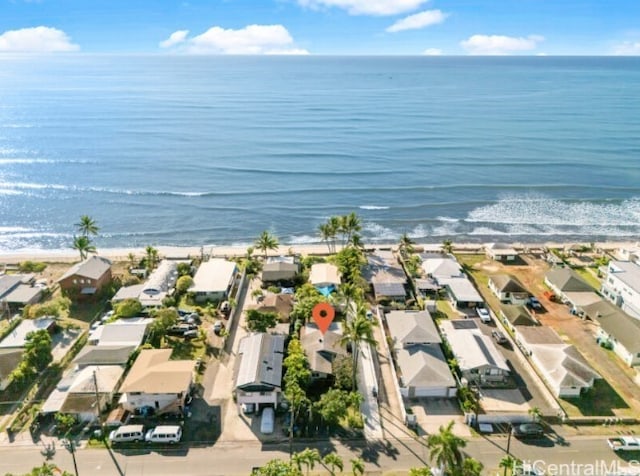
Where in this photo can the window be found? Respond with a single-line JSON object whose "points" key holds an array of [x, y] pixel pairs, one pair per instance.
{"points": [[75, 281]]}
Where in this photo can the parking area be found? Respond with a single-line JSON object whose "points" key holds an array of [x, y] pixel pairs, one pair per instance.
{"points": [[432, 413]]}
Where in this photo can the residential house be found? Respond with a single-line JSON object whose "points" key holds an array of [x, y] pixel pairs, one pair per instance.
{"points": [[16, 339], [513, 316], [258, 377], [281, 304], [508, 289], [621, 286], [501, 252], [85, 392], [151, 293], [440, 266], [9, 360], [157, 382], [121, 332], [569, 286], [629, 253], [564, 369], [213, 280], [461, 292], [87, 277], [616, 328], [280, 269], [386, 276], [422, 368], [479, 360], [325, 277], [18, 290], [322, 349], [103, 355]]}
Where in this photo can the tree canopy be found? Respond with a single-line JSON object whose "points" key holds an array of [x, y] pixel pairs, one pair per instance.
{"points": [[258, 321]]}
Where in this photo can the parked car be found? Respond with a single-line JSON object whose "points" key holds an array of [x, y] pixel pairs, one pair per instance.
{"points": [[191, 334], [267, 421], [483, 314], [248, 408], [181, 329], [217, 327], [528, 430], [164, 434], [225, 308], [528, 470], [127, 434], [499, 337], [534, 303]]}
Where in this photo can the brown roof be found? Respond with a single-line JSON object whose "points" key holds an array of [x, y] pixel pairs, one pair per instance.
{"points": [[153, 372], [92, 268], [280, 303], [9, 360]]}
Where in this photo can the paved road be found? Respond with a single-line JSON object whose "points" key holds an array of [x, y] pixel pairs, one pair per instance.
{"points": [[228, 459]]}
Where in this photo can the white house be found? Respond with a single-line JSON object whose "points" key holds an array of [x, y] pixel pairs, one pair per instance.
{"points": [[421, 365], [325, 277], [18, 336], [259, 374], [439, 266], [213, 280], [155, 381], [621, 286], [280, 269], [478, 358], [84, 392], [151, 293], [618, 329], [461, 292], [121, 332], [565, 282], [501, 252], [565, 370], [508, 289]]}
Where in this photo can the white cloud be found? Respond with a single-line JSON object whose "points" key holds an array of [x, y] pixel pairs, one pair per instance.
{"points": [[419, 20], [367, 7], [176, 38], [40, 39], [250, 40], [432, 52], [627, 48], [499, 44]]}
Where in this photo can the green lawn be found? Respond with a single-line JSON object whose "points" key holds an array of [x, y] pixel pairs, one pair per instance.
{"points": [[601, 400], [186, 349], [445, 310], [589, 277]]}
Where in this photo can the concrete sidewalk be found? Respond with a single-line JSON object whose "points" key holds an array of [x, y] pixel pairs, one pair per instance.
{"points": [[368, 386]]}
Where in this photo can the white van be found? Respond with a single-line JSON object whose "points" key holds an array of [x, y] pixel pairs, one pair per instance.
{"points": [[164, 434], [127, 434], [267, 421]]}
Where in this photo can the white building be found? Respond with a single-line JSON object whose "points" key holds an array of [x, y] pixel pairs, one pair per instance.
{"points": [[155, 381], [259, 375], [621, 286], [213, 280]]}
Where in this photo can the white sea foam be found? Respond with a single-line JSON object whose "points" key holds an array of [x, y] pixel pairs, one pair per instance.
{"points": [[4, 191], [377, 232], [303, 240], [540, 210], [448, 219], [14, 229], [373, 207]]}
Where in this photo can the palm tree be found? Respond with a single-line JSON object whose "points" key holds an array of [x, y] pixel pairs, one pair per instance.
{"points": [[309, 457], [508, 462], [349, 224], [266, 241], [356, 241], [357, 466], [406, 245], [132, 260], [83, 245], [471, 467], [357, 331], [151, 258], [445, 449], [349, 292], [535, 413], [87, 226], [333, 461], [447, 246], [335, 227], [327, 234]]}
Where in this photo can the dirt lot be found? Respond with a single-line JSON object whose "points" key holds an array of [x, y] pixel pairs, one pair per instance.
{"points": [[618, 395]]}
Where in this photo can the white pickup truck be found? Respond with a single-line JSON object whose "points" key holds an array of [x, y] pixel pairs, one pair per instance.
{"points": [[624, 443]]}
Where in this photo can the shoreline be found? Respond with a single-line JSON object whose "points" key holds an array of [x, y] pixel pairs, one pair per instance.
{"points": [[176, 252]]}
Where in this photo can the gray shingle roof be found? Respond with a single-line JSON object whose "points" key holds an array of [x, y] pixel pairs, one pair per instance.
{"points": [[260, 361], [93, 268], [424, 366], [507, 284], [411, 327], [567, 280]]}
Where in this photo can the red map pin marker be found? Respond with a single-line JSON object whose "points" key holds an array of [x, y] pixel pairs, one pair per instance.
{"points": [[323, 315]]}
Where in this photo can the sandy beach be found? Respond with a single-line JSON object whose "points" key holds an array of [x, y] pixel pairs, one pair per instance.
{"points": [[121, 254]]}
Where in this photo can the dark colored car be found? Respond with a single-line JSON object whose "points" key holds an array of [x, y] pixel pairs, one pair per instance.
{"points": [[528, 430], [534, 303], [499, 337]]}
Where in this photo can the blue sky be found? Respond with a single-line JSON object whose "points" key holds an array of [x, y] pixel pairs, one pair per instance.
{"points": [[325, 27]]}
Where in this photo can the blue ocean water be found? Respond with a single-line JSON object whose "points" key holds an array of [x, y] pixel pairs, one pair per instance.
{"points": [[212, 150]]}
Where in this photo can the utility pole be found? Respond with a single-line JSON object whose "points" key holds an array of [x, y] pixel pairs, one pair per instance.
{"points": [[95, 386], [508, 447]]}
